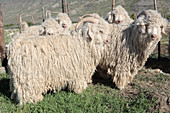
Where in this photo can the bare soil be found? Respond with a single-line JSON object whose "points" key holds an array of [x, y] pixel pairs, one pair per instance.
{"points": [[153, 79]]}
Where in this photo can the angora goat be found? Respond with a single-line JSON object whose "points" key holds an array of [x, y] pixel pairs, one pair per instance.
{"points": [[39, 64], [50, 27], [32, 30], [129, 48], [118, 15], [25, 25], [64, 20]]}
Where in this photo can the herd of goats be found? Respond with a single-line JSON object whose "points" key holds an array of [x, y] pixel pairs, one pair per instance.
{"points": [[58, 54]]}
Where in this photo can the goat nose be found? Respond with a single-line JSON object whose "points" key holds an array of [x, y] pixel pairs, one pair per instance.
{"points": [[64, 26], [153, 36], [50, 33], [120, 21]]}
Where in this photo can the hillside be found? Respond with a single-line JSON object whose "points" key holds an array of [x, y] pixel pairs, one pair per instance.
{"points": [[29, 8]]}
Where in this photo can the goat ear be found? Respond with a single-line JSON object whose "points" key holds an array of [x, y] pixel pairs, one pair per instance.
{"points": [[56, 18], [41, 30], [90, 34], [142, 14], [109, 18], [142, 29]]}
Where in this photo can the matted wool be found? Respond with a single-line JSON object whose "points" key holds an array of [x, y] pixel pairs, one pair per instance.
{"points": [[39, 64]]}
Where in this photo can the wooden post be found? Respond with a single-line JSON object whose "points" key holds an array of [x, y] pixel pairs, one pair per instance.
{"points": [[17, 22], [43, 15], [159, 44], [63, 6], [20, 23], [68, 10], [169, 45], [113, 4], [33, 20], [159, 50], [155, 5], [48, 14], [2, 39]]}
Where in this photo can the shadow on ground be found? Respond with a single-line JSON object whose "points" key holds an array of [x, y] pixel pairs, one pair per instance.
{"points": [[162, 64], [4, 87], [101, 77], [153, 63]]}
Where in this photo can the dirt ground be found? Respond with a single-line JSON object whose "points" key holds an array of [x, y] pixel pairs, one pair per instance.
{"points": [[154, 77]]}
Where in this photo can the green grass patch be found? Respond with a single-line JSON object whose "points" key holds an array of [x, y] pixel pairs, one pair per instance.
{"points": [[7, 38], [96, 98], [160, 78]]}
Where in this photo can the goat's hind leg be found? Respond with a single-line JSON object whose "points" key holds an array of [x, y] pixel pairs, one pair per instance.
{"points": [[78, 86]]}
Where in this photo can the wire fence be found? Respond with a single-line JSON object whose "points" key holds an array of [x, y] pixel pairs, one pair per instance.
{"points": [[164, 45]]}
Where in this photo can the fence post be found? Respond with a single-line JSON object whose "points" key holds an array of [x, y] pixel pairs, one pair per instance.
{"points": [[20, 23], [63, 6], [48, 14], [155, 5], [2, 39], [43, 15], [68, 10], [33, 20], [17, 22], [113, 4]]}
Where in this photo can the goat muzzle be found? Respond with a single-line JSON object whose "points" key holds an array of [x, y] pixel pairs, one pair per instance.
{"points": [[153, 36]]}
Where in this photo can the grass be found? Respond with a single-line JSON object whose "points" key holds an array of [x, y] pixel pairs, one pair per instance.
{"points": [[97, 98], [160, 78], [9, 38]]}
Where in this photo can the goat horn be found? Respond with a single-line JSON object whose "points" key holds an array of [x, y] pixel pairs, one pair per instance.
{"points": [[163, 31], [88, 19], [88, 15]]}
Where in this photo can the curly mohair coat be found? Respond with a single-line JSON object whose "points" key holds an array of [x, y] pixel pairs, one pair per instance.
{"points": [[129, 48], [119, 16], [39, 64]]}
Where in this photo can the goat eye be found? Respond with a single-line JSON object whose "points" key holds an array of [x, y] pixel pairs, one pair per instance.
{"points": [[147, 25], [100, 31], [59, 21]]}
